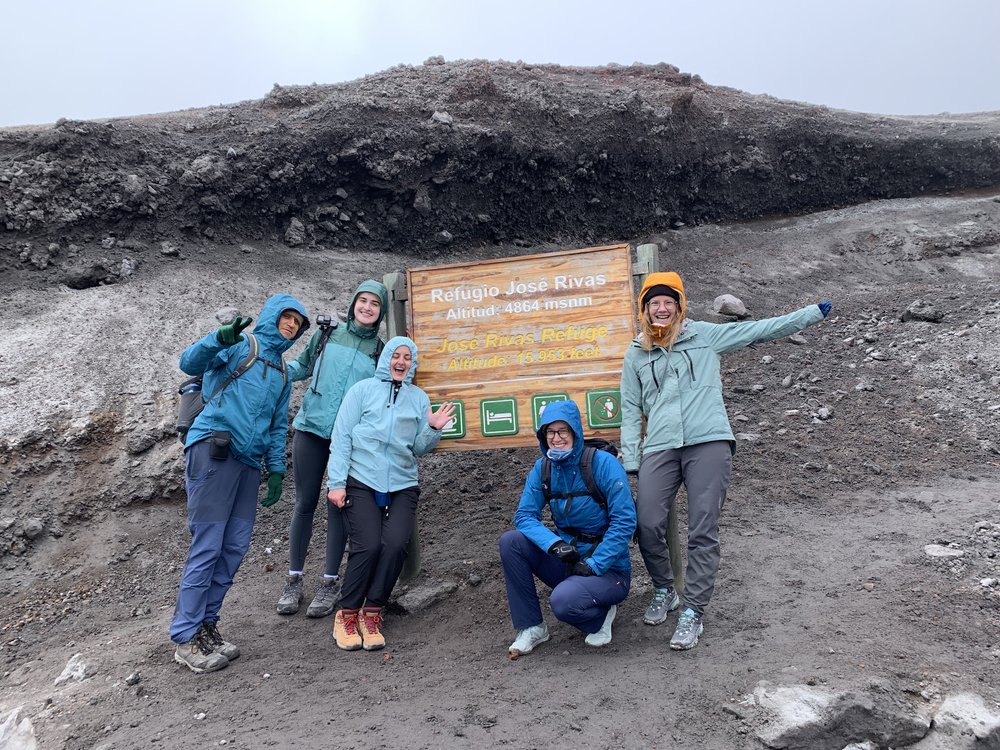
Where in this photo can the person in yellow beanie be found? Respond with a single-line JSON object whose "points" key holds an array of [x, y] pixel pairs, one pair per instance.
{"points": [[671, 378]]}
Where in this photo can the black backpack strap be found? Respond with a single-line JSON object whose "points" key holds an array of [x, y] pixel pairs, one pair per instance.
{"points": [[547, 479], [587, 470], [245, 365], [379, 346]]}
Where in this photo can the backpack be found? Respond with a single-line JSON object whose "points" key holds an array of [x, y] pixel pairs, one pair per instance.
{"points": [[590, 447], [191, 402]]}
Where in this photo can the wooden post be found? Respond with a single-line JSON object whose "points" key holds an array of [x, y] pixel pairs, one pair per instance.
{"points": [[395, 325], [647, 262]]}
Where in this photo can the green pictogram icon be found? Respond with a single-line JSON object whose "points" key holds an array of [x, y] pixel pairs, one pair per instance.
{"points": [[604, 408], [498, 417], [538, 402], [456, 427]]}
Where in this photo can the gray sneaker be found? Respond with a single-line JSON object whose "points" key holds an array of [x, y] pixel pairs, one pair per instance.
{"points": [[325, 600], [219, 644], [689, 627], [291, 596], [664, 601], [199, 656]]}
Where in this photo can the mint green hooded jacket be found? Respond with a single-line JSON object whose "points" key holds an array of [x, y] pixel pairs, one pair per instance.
{"points": [[679, 391], [350, 355]]}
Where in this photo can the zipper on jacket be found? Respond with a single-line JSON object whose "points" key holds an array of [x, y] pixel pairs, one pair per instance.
{"points": [[690, 366]]}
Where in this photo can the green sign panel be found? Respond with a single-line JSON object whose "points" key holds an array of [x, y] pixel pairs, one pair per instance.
{"points": [[538, 402], [498, 417], [604, 408], [456, 427]]}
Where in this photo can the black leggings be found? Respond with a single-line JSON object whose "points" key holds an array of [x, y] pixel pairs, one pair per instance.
{"points": [[310, 454], [378, 543]]}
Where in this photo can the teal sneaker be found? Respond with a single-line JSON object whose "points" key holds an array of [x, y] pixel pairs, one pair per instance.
{"points": [[664, 601], [689, 628]]}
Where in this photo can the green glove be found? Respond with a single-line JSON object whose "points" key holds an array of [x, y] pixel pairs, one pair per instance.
{"points": [[229, 334], [273, 489]]}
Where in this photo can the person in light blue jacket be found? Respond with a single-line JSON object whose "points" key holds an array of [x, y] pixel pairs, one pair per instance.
{"points": [[675, 430], [383, 425], [243, 425], [585, 560]]}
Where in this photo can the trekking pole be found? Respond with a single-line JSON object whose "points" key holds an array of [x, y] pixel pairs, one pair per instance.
{"points": [[647, 262]]}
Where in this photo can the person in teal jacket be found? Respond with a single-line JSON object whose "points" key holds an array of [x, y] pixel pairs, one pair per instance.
{"points": [[671, 379], [243, 425], [585, 559], [383, 425], [337, 356]]}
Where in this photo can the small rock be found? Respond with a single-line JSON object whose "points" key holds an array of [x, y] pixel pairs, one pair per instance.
{"points": [[76, 669], [798, 339], [727, 304], [133, 679], [939, 550], [442, 118], [200, 715], [920, 310]]}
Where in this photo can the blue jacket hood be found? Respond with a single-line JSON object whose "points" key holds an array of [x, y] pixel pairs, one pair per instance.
{"points": [[568, 412], [382, 370], [266, 329]]}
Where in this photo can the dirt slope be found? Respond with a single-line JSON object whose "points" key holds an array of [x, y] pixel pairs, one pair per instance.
{"points": [[870, 439]]}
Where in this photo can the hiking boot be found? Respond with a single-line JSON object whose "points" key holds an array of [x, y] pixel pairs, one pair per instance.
{"points": [[603, 636], [291, 596], [219, 644], [199, 656], [325, 600], [689, 627], [345, 630], [527, 639], [664, 601], [370, 626]]}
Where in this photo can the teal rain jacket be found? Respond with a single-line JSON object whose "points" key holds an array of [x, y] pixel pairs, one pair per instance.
{"points": [[348, 357], [580, 514], [679, 391], [379, 432], [254, 407]]}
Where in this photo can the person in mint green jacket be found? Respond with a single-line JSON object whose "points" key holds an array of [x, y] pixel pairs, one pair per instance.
{"points": [[338, 356], [671, 378], [384, 424]]}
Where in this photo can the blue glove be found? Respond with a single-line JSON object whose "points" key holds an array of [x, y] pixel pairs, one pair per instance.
{"points": [[229, 334], [824, 307]]}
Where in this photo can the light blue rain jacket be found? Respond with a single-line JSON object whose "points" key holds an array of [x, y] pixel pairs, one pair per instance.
{"points": [[380, 431]]}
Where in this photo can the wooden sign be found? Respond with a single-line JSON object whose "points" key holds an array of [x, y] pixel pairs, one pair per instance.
{"points": [[502, 338]]}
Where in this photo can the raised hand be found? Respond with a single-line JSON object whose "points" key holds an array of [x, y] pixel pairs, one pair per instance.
{"points": [[230, 333], [439, 419]]}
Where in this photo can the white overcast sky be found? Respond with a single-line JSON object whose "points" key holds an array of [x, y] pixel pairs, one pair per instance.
{"points": [[86, 59]]}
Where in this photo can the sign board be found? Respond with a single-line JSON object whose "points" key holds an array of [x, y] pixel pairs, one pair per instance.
{"points": [[502, 338]]}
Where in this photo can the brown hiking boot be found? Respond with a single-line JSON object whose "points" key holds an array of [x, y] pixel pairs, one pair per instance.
{"points": [[345, 630], [371, 623]]}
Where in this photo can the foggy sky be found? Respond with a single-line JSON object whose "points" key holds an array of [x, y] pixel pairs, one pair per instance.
{"points": [[87, 59]]}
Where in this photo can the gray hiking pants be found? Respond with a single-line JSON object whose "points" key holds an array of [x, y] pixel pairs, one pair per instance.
{"points": [[704, 469]]}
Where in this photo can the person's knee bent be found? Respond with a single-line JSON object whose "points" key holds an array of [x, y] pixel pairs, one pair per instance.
{"points": [[510, 543]]}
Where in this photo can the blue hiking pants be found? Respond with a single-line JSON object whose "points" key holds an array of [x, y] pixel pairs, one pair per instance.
{"points": [[222, 506], [580, 601]]}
